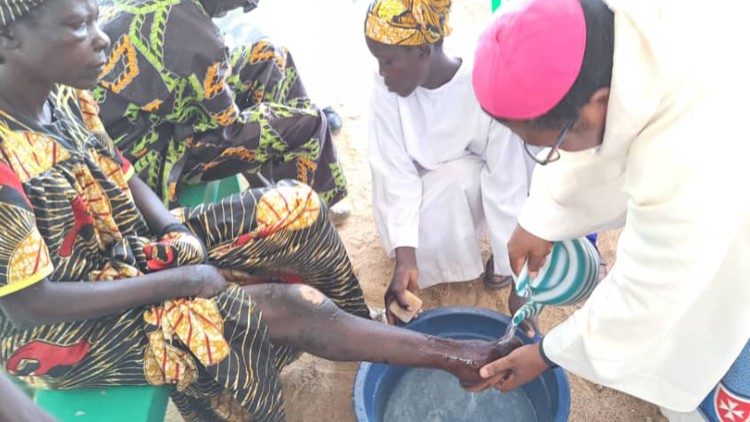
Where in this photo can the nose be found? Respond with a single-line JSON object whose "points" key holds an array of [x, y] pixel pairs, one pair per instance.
{"points": [[101, 40]]}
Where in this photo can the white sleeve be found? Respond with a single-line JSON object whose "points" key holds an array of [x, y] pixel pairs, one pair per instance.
{"points": [[684, 224], [396, 185], [505, 186], [582, 193]]}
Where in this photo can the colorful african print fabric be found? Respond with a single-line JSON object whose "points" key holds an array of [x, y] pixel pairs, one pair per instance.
{"points": [[408, 22], [67, 215], [182, 109]]}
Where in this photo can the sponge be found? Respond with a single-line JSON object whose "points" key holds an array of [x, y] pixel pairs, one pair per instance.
{"points": [[415, 304]]}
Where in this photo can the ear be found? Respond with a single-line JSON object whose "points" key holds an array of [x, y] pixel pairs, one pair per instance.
{"points": [[8, 38], [600, 97], [594, 112], [425, 51]]}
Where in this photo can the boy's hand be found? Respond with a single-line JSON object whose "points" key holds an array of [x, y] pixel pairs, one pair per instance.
{"points": [[405, 277]]}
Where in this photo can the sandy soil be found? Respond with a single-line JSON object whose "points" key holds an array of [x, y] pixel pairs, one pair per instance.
{"points": [[318, 390]]}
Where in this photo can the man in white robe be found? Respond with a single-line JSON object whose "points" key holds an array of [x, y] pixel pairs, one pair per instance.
{"points": [[655, 95]]}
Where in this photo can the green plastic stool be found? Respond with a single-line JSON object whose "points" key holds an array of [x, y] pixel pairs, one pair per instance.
{"points": [[111, 404], [495, 4], [208, 192]]}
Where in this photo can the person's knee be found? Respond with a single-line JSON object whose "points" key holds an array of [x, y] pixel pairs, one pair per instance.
{"points": [[290, 205], [303, 295], [292, 311], [284, 301]]}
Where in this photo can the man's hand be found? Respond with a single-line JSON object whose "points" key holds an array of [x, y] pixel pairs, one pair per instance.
{"points": [[405, 277], [524, 247], [518, 368]]}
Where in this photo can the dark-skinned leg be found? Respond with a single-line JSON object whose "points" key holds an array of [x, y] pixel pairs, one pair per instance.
{"points": [[302, 317], [313, 252]]}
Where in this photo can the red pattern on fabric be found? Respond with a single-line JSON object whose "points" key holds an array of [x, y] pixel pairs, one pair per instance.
{"points": [[46, 356], [81, 219], [156, 262], [9, 178], [126, 165]]}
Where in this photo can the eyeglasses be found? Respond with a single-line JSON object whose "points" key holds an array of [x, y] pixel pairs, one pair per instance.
{"points": [[554, 153]]}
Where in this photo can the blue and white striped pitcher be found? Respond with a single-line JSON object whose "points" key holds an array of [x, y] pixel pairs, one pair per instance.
{"points": [[568, 277]]}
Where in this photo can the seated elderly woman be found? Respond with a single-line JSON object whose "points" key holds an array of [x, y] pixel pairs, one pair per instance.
{"points": [[101, 285]]}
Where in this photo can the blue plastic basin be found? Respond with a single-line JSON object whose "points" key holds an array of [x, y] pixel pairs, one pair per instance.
{"points": [[550, 393]]}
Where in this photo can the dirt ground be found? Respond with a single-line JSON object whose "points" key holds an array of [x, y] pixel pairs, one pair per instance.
{"points": [[318, 390]]}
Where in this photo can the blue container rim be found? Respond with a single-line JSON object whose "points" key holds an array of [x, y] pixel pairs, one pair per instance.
{"points": [[563, 392]]}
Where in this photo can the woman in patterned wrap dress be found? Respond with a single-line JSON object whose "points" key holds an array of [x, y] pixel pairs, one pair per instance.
{"points": [[100, 285], [184, 109]]}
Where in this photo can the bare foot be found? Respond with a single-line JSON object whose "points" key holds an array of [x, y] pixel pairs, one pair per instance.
{"points": [[471, 355]]}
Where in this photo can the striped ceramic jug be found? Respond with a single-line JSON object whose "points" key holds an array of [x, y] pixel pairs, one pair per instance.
{"points": [[568, 277]]}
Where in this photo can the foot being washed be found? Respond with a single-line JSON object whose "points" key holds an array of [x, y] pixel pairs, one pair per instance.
{"points": [[466, 357]]}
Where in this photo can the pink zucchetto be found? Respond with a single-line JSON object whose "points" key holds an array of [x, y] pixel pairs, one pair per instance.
{"points": [[529, 57]]}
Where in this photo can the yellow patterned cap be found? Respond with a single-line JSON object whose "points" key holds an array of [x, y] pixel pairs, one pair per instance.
{"points": [[408, 22], [11, 10]]}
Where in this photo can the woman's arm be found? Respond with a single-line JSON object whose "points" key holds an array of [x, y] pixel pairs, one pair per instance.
{"points": [[49, 302], [156, 214]]}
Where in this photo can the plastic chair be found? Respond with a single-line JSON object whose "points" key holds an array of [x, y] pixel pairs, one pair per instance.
{"points": [[209, 192], [112, 404]]}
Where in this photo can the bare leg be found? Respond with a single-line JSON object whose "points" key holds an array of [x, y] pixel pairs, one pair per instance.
{"points": [[302, 317]]}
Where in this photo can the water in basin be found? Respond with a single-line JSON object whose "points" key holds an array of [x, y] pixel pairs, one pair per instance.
{"points": [[426, 395]]}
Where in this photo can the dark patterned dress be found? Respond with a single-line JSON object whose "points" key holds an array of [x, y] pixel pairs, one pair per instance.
{"points": [[67, 215], [183, 109]]}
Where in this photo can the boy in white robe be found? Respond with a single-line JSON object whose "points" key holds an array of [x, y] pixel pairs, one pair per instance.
{"points": [[442, 169], [643, 104]]}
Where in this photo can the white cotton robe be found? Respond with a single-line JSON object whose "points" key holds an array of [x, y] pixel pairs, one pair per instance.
{"points": [[674, 311], [443, 171]]}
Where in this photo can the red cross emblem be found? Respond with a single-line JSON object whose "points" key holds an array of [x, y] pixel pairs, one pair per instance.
{"points": [[731, 407]]}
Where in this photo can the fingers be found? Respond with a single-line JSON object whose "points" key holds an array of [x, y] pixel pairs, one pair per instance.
{"points": [[516, 262], [490, 382], [402, 301], [241, 277], [497, 367], [390, 318], [535, 262], [517, 250], [509, 381], [530, 327]]}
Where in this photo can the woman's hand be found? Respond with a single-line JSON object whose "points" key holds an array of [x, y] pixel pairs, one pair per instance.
{"points": [[206, 280]]}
